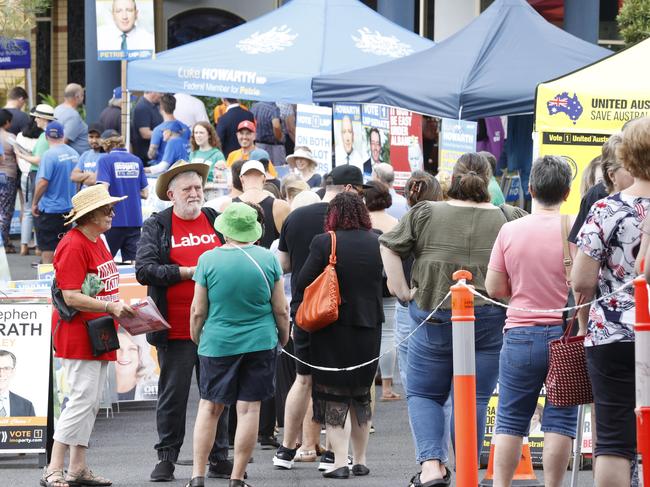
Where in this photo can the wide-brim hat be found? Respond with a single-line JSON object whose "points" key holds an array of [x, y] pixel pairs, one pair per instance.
{"points": [[300, 153], [239, 222], [43, 110], [162, 184], [89, 199]]}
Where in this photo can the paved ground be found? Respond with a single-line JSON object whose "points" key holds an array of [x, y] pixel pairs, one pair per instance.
{"points": [[122, 446]]}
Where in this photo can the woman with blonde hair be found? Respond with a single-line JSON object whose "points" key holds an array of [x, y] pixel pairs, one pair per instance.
{"points": [[304, 163], [205, 148]]}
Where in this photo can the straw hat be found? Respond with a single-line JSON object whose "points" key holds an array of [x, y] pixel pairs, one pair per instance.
{"points": [[239, 222], [89, 199], [301, 153], [162, 184]]}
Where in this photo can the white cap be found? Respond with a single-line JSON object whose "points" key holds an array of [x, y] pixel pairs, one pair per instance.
{"points": [[252, 165]]}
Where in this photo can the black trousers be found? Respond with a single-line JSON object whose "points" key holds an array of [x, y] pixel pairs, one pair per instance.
{"points": [[177, 363]]}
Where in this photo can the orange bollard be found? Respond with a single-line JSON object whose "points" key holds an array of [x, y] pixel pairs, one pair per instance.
{"points": [[462, 317], [642, 373], [524, 475]]}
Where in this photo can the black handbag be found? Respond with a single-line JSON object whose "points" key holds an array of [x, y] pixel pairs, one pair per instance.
{"points": [[103, 335], [66, 313]]}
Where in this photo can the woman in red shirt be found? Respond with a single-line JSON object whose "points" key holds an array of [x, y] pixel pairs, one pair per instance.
{"points": [[82, 252]]}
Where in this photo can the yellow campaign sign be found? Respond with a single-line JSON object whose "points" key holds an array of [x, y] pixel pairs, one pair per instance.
{"points": [[576, 113]]}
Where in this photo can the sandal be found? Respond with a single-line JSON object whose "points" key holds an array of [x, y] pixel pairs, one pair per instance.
{"points": [[238, 483], [393, 396], [10, 249], [416, 482], [86, 478], [196, 482], [305, 456], [54, 478]]}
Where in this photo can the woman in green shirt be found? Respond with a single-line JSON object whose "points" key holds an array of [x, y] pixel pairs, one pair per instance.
{"points": [[205, 148], [239, 314], [445, 236]]}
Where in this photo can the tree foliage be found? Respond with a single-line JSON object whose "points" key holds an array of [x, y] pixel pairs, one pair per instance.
{"points": [[634, 21], [18, 17]]}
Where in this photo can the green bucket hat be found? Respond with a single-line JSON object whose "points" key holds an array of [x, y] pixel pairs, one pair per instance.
{"points": [[239, 222]]}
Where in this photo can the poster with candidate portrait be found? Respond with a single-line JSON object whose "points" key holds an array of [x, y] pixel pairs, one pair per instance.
{"points": [[405, 144], [376, 126], [349, 137], [25, 331], [125, 29]]}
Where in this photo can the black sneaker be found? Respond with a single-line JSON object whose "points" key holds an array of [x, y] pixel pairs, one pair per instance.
{"points": [[220, 470], [283, 458], [163, 472], [268, 442]]}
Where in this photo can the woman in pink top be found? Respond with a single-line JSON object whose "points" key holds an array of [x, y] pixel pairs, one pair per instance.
{"points": [[527, 265]]}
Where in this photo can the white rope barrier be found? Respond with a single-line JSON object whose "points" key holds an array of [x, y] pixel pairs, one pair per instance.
{"points": [[354, 367], [475, 293]]}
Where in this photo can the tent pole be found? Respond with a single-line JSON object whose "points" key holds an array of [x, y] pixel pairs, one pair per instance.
{"points": [[460, 112], [30, 88], [422, 14], [125, 106]]}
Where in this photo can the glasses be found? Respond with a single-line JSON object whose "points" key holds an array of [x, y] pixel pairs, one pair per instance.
{"points": [[6, 369], [107, 210]]}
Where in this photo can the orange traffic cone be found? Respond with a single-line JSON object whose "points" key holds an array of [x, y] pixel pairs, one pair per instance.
{"points": [[524, 475]]}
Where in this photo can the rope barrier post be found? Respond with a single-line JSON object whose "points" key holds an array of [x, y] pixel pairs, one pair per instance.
{"points": [[462, 317], [642, 373]]}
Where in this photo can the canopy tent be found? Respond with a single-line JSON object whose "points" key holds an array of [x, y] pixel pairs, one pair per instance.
{"points": [[607, 94], [491, 67], [275, 57]]}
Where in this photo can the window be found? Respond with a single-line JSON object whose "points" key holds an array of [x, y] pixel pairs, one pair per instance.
{"points": [[199, 23]]}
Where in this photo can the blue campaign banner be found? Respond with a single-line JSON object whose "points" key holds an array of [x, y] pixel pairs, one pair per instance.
{"points": [[456, 138], [374, 115], [14, 54]]}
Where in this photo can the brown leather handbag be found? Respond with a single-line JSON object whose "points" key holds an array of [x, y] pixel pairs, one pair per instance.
{"points": [[321, 299]]}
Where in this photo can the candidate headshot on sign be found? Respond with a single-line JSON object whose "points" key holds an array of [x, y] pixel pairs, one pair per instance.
{"points": [[122, 26], [11, 404]]}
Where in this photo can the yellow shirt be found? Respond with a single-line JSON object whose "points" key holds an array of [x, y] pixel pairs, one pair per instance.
{"points": [[238, 154]]}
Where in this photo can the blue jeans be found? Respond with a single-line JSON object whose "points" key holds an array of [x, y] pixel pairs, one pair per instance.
{"points": [[403, 324], [430, 372], [523, 367]]}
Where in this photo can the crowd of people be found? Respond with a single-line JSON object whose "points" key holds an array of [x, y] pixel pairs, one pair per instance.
{"points": [[216, 270]]}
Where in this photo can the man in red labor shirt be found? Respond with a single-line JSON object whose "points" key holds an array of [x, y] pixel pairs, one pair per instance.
{"points": [[168, 252]]}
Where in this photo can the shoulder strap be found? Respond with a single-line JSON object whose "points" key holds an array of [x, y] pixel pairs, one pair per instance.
{"points": [[568, 260], [333, 249], [266, 281]]}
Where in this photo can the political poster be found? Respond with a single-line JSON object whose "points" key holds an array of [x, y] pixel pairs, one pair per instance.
{"points": [[405, 144], [376, 127], [349, 137], [125, 29], [314, 130], [25, 331], [14, 54], [535, 437], [456, 138]]}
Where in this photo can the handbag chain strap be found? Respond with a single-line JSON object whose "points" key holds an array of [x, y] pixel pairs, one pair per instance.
{"points": [[266, 281], [567, 332], [568, 259]]}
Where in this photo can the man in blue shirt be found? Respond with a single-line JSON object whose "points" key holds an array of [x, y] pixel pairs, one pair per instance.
{"points": [[176, 148], [157, 144], [84, 173], [53, 191], [124, 175], [76, 130]]}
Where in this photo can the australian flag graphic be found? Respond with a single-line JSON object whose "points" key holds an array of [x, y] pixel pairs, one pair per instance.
{"points": [[563, 103]]}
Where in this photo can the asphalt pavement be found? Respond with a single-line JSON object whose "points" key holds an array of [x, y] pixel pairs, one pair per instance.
{"points": [[122, 446]]}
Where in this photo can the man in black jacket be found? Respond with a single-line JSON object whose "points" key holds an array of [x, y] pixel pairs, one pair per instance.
{"points": [[228, 123], [168, 252]]}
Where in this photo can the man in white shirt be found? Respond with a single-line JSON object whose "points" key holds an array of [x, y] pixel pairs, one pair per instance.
{"points": [[346, 153], [189, 109], [385, 173], [123, 34], [11, 404]]}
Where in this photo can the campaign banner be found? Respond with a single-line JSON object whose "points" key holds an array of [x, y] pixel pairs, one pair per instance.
{"points": [[125, 29], [349, 145], [576, 148], [25, 331], [456, 138], [14, 54], [405, 144], [376, 126], [314, 130]]}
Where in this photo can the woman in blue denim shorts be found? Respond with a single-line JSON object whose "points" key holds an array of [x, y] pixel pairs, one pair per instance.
{"points": [[445, 236], [527, 265]]}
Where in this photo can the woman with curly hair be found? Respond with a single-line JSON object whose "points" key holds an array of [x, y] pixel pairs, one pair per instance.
{"points": [[354, 338]]}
